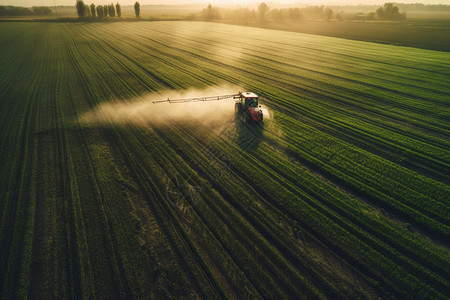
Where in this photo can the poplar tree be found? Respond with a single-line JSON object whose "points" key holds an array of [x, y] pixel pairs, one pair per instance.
{"points": [[137, 9]]}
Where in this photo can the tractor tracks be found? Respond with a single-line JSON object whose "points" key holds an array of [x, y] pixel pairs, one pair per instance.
{"points": [[98, 194], [164, 213]]}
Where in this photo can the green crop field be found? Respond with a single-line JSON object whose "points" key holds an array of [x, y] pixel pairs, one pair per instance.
{"points": [[342, 192]]}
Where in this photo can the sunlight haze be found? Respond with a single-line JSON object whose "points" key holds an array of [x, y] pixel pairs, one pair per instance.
{"points": [[29, 3]]}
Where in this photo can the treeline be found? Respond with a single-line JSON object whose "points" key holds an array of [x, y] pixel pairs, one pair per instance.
{"points": [[264, 12], [102, 11], [24, 11], [389, 11], [401, 6], [306, 13], [422, 7]]}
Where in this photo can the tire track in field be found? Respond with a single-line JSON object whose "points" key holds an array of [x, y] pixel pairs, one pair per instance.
{"points": [[350, 262], [54, 232], [418, 167], [162, 44], [164, 213], [226, 249], [422, 262], [108, 228], [134, 61], [14, 233], [266, 57], [71, 248], [372, 232], [103, 206], [215, 62], [163, 168], [249, 51], [172, 160], [63, 190], [192, 251], [229, 227], [257, 226], [71, 242]]}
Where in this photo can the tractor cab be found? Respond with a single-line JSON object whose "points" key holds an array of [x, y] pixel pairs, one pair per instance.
{"points": [[248, 106]]}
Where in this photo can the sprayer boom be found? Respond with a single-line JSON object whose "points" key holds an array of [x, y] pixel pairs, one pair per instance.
{"points": [[211, 98], [246, 106]]}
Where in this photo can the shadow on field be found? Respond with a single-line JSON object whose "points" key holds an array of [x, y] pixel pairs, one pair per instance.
{"points": [[53, 132], [249, 133]]}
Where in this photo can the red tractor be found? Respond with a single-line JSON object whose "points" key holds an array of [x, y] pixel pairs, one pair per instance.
{"points": [[247, 107]]}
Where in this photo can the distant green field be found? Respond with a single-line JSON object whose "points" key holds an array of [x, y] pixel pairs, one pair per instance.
{"points": [[431, 33], [343, 192]]}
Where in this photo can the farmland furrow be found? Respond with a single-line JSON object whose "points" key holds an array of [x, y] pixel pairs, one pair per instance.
{"points": [[163, 212], [184, 134], [332, 245], [225, 192], [115, 257], [214, 207], [350, 218], [342, 193], [345, 210], [196, 163], [15, 232], [263, 54], [368, 138], [251, 50], [266, 196], [276, 71], [104, 209], [217, 235]]}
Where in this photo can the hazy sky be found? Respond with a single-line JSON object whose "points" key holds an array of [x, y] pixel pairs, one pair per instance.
{"points": [[30, 3]]}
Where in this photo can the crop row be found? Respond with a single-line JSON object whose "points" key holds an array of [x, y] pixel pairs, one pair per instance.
{"points": [[385, 135], [164, 62], [178, 252], [190, 152], [313, 205], [239, 249]]}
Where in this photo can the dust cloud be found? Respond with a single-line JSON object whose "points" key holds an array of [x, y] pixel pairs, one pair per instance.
{"points": [[142, 111], [267, 113]]}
